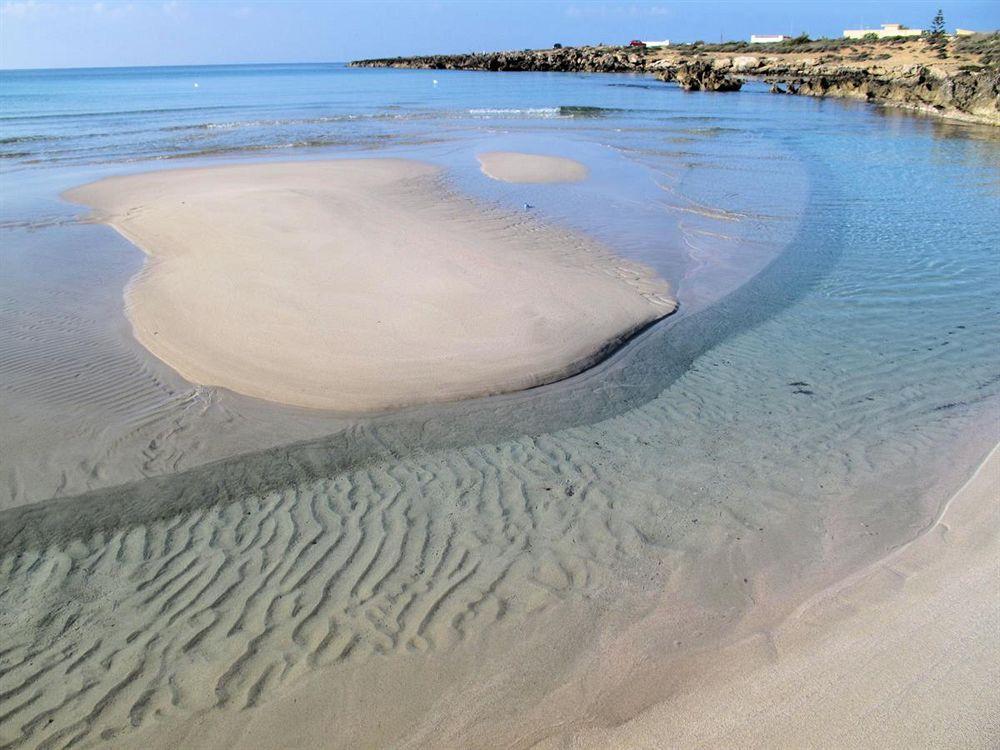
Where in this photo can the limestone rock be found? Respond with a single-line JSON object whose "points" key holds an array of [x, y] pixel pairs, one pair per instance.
{"points": [[702, 76]]}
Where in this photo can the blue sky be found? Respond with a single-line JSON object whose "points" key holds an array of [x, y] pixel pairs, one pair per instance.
{"points": [[51, 33]]}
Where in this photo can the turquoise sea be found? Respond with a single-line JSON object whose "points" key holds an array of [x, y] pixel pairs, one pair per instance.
{"points": [[831, 376]]}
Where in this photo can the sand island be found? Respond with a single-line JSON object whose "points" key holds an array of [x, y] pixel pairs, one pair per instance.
{"points": [[513, 166], [360, 285]]}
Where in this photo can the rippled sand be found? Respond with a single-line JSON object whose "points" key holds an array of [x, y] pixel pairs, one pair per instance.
{"points": [[361, 285]]}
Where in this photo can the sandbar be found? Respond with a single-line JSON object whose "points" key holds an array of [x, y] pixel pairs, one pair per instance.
{"points": [[362, 284], [513, 166]]}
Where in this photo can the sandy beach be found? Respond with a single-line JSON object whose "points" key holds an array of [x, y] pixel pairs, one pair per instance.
{"points": [[511, 166], [274, 472], [360, 285], [901, 654]]}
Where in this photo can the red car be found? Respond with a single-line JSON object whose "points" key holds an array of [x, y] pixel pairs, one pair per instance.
{"points": [[636, 43]]}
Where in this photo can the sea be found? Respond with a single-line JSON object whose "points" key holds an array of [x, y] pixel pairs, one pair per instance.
{"points": [[831, 376]]}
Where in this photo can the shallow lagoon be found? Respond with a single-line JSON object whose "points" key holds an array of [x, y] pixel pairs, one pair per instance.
{"points": [[830, 378]]}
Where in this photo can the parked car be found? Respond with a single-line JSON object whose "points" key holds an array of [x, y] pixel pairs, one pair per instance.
{"points": [[636, 43]]}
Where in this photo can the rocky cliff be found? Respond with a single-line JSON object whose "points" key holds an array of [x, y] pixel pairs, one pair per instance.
{"points": [[563, 60], [972, 95], [968, 91]]}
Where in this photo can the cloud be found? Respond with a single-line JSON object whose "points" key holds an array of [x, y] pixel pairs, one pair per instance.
{"points": [[11, 9], [604, 10], [174, 9], [19, 8]]}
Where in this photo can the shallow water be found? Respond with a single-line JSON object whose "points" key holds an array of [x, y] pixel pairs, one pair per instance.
{"points": [[831, 376]]}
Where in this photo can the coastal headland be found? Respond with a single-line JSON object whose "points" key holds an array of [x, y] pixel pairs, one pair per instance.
{"points": [[952, 77], [364, 285]]}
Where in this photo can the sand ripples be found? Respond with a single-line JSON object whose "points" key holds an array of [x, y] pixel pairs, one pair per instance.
{"points": [[87, 374], [221, 607]]}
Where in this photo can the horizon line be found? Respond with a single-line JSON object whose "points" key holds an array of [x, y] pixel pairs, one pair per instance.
{"points": [[171, 65]]}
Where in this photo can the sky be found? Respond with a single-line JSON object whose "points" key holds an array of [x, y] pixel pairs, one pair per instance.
{"points": [[71, 33]]}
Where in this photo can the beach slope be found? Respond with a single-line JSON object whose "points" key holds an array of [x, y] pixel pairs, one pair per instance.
{"points": [[901, 654]]}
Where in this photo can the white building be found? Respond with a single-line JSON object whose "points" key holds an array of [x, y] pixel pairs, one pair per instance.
{"points": [[887, 30], [768, 38], [661, 43]]}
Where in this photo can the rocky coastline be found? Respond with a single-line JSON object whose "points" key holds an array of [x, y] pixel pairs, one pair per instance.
{"points": [[969, 92]]}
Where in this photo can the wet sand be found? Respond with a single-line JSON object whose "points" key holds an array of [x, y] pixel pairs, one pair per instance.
{"points": [[332, 643], [512, 166], [362, 285]]}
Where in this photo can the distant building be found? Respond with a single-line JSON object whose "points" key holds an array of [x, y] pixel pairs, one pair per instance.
{"points": [[888, 30], [965, 32], [768, 38], [661, 43]]}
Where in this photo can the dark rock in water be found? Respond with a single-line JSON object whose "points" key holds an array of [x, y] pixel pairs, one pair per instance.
{"points": [[703, 76], [777, 89]]}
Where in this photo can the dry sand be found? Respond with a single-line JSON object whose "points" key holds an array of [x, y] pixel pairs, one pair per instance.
{"points": [[359, 285], [905, 653], [512, 166]]}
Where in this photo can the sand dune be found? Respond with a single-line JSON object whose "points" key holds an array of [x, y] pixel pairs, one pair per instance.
{"points": [[362, 285], [512, 166]]}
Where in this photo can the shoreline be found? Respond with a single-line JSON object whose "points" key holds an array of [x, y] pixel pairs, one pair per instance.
{"points": [[840, 666], [288, 282], [907, 75]]}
